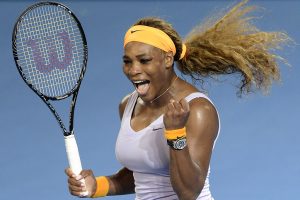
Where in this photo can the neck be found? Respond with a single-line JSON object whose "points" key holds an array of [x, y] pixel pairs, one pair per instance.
{"points": [[164, 92]]}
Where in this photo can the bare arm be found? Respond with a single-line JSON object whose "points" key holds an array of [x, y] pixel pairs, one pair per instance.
{"points": [[188, 167], [121, 182]]}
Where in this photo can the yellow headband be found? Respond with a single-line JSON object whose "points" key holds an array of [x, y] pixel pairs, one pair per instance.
{"points": [[152, 36]]}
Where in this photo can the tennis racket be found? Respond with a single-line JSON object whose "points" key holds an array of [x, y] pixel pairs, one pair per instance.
{"points": [[50, 52]]}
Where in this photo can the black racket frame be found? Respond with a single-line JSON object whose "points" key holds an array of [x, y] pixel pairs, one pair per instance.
{"points": [[75, 89]]}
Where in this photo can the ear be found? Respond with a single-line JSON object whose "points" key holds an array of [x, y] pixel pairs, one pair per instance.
{"points": [[169, 59]]}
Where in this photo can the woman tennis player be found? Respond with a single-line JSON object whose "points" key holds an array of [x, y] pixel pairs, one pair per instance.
{"points": [[169, 128]]}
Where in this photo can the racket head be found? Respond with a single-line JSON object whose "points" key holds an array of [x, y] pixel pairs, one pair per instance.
{"points": [[50, 50]]}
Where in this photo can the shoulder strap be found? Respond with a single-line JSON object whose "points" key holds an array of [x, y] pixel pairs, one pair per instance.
{"points": [[129, 106], [195, 95]]}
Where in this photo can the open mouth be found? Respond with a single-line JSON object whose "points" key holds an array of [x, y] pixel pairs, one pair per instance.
{"points": [[142, 86]]}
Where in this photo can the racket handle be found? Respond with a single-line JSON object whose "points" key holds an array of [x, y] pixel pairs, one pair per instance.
{"points": [[73, 156]]}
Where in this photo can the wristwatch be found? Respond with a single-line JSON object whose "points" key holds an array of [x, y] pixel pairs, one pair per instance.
{"points": [[177, 144]]}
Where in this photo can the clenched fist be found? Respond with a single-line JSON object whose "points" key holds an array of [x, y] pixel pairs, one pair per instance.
{"points": [[176, 114]]}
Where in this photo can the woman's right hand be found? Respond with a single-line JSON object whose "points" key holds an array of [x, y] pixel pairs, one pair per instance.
{"points": [[76, 185]]}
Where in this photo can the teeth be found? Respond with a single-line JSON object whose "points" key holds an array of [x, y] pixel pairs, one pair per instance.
{"points": [[138, 82]]}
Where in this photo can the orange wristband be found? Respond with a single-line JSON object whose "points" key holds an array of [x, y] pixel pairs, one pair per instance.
{"points": [[175, 134], [102, 187]]}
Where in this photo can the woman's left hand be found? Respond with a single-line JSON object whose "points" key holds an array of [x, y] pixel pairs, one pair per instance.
{"points": [[176, 114]]}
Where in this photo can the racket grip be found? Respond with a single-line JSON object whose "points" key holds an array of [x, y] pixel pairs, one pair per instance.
{"points": [[73, 156]]}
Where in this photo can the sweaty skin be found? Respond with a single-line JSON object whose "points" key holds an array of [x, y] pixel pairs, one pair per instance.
{"points": [[188, 167]]}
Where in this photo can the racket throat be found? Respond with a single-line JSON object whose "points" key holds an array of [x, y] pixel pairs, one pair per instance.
{"points": [[68, 133]]}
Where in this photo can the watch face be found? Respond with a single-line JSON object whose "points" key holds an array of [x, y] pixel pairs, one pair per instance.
{"points": [[180, 143]]}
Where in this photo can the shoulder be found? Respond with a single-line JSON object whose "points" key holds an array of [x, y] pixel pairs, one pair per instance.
{"points": [[202, 105], [201, 108], [203, 119]]}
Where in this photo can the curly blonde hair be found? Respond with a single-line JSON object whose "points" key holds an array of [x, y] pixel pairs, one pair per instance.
{"points": [[229, 45]]}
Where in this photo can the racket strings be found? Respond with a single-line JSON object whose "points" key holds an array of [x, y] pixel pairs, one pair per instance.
{"points": [[50, 50]]}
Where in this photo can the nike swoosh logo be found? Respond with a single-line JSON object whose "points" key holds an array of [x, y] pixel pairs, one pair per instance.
{"points": [[156, 129], [133, 31]]}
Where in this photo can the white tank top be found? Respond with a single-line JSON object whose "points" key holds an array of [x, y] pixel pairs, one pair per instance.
{"points": [[146, 153]]}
